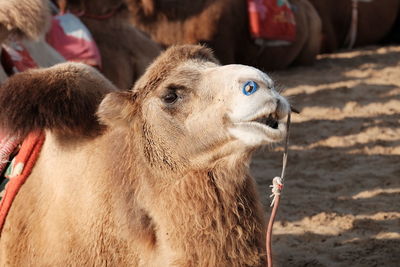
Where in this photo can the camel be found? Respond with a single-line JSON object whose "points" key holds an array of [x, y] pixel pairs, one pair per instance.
{"points": [[161, 178], [27, 21], [375, 21], [125, 51], [223, 25]]}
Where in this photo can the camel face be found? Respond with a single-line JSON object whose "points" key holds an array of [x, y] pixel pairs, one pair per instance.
{"points": [[211, 108], [192, 110], [256, 111]]}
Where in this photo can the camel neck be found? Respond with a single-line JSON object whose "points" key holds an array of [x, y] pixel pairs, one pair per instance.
{"points": [[209, 217], [214, 210]]}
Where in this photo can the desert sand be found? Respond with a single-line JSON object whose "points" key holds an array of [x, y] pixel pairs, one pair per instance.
{"points": [[341, 201]]}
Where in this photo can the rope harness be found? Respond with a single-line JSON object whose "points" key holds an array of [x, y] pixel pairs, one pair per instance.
{"points": [[277, 187]]}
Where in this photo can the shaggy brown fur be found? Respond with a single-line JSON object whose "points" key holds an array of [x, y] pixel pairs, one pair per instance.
{"points": [[125, 51], [375, 21], [223, 25], [27, 18], [49, 99], [168, 61], [109, 201]]}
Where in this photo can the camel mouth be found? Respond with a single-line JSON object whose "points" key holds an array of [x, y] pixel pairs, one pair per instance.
{"points": [[261, 129], [271, 124], [270, 120]]}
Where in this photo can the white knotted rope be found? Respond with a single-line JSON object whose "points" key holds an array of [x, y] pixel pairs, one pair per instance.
{"points": [[277, 182], [277, 186]]}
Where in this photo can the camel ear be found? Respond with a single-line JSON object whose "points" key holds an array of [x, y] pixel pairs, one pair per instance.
{"points": [[117, 108]]}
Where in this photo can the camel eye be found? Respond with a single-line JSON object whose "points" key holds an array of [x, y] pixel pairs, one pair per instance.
{"points": [[250, 87], [170, 98]]}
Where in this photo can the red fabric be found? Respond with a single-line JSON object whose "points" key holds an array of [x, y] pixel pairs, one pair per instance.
{"points": [[16, 58], [27, 156], [70, 37], [271, 20]]}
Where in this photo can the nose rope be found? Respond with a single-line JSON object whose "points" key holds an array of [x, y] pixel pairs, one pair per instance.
{"points": [[277, 187]]}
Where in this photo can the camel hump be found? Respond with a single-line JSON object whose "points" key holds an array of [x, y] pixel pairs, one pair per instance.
{"points": [[64, 98]]}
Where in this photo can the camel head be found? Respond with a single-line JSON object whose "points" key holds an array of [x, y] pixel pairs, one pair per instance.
{"points": [[189, 110], [24, 18]]}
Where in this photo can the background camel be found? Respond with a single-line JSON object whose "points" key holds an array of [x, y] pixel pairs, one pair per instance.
{"points": [[125, 51], [375, 20], [164, 181], [27, 21], [223, 25]]}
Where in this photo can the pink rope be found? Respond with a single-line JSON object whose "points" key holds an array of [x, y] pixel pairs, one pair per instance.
{"points": [[277, 186]]}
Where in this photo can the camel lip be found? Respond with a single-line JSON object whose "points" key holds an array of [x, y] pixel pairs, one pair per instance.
{"points": [[267, 119], [271, 126], [266, 125], [270, 120]]}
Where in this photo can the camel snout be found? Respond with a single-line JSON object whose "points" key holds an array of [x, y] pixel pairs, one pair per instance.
{"points": [[282, 108]]}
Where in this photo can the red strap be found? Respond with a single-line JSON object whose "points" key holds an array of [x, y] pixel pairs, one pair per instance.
{"points": [[27, 156]]}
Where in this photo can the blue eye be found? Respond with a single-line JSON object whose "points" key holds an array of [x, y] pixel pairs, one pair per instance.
{"points": [[250, 87]]}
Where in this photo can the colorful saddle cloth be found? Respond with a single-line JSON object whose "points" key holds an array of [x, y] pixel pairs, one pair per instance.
{"points": [[20, 168], [271, 20], [8, 144], [70, 37], [15, 57]]}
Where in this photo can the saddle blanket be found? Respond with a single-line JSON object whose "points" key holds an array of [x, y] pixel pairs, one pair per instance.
{"points": [[70, 37], [20, 167], [15, 57], [271, 20]]}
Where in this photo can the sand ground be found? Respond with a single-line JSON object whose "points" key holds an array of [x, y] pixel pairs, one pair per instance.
{"points": [[341, 201]]}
